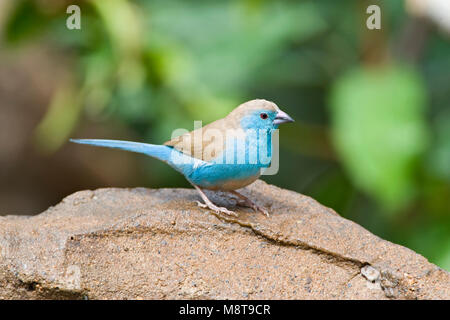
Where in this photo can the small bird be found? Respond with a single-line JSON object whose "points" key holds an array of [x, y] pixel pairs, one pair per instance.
{"points": [[225, 155]]}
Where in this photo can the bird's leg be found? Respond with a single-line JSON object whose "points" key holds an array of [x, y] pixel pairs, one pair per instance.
{"points": [[249, 203], [212, 206]]}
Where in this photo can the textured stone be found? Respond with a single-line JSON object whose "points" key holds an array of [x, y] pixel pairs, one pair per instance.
{"points": [[157, 244]]}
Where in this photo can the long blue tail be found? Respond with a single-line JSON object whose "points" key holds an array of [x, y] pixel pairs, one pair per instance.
{"points": [[156, 151]]}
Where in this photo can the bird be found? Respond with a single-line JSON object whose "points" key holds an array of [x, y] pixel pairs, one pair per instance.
{"points": [[224, 155]]}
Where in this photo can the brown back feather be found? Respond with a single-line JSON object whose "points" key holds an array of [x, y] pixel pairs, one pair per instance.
{"points": [[204, 143]]}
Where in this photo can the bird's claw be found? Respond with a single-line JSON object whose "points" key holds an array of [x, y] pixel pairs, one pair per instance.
{"points": [[246, 202], [250, 204], [217, 209], [263, 210], [257, 208]]}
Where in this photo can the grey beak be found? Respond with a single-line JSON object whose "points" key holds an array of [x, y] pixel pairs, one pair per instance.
{"points": [[282, 117]]}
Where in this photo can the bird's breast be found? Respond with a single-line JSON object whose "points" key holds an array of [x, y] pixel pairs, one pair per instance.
{"points": [[232, 184], [224, 177]]}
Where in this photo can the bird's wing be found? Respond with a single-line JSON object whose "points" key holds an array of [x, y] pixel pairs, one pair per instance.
{"points": [[205, 143]]}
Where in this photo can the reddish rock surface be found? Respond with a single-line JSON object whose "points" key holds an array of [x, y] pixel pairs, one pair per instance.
{"points": [[157, 244]]}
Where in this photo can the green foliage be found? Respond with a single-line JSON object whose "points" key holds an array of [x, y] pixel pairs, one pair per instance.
{"points": [[26, 21], [439, 157], [378, 126], [62, 114]]}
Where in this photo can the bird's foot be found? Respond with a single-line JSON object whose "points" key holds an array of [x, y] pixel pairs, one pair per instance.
{"points": [[257, 208], [261, 209], [249, 203], [217, 209]]}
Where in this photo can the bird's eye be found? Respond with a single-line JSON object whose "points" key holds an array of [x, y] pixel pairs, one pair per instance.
{"points": [[263, 116]]}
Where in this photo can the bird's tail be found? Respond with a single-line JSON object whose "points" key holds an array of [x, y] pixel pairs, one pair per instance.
{"points": [[160, 152]]}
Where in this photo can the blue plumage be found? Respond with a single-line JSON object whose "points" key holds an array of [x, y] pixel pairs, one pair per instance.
{"points": [[184, 163], [208, 175]]}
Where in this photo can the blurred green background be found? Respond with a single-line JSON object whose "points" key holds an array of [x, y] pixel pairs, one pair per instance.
{"points": [[372, 107]]}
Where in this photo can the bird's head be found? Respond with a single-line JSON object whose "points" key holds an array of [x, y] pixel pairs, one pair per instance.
{"points": [[260, 114]]}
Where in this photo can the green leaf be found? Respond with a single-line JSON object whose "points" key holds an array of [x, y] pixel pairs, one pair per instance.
{"points": [[25, 21], [216, 49], [379, 130], [59, 121], [439, 156]]}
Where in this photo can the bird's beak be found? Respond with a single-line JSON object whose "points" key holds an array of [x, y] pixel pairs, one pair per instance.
{"points": [[282, 117]]}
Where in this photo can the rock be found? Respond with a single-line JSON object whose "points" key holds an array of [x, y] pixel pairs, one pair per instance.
{"points": [[370, 273], [157, 244]]}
